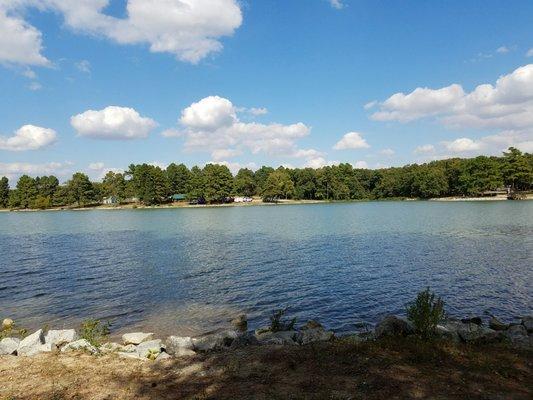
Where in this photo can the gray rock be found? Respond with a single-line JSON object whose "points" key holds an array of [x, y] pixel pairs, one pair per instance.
{"points": [[497, 325], [78, 345], [149, 349], [58, 338], [315, 335], [246, 339], [282, 337], [528, 324], [180, 346], [136, 337], [163, 356], [311, 324], [111, 347], [517, 335], [214, 341], [9, 346], [240, 323], [473, 333], [393, 326], [447, 332], [264, 329], [32, 344], [472, 320]]}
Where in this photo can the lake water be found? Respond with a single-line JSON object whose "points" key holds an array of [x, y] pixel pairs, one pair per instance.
{"points": [[187, 271]]}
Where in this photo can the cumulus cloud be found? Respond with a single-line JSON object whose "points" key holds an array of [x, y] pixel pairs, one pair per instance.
{"points": [[212, 125], [20, 43], [424, 149], [387, 152], [336, 4], [188, 29], [28, 137], [118, 123], [361, 164], [98, 170], [14, 170], [234, 167], [351, 140], [508, 104], [319, 162], [462, 145]]}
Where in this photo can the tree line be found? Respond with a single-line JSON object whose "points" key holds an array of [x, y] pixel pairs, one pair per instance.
{"points": [[150, 185]]}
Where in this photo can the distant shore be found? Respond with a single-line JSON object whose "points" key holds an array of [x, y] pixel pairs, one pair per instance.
{"points": [[256, 202]]}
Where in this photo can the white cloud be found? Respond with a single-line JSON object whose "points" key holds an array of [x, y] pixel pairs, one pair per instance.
{"points": [[83, 66], [502, 50], [14, 170], [370, 105], [112, 123], [188, 29], [35, 86], [361, 164], [463, 145], [336, 4], [212, 125], [20, 43], [507, 105], [387, 152], [96, 166], [529, 53], [424, 149], [258, 111], [319, 162], [351, 140], [28, 137], [98, 170], [234, 167]]}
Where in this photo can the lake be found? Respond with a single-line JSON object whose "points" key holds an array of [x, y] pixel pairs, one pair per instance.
{"points": [[187, 271]]}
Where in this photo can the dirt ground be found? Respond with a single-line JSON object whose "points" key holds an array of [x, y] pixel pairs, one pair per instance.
{"points": [[388, 369]]}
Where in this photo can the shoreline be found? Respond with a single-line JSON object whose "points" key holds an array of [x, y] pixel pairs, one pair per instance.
{"points": [[259, 202]]}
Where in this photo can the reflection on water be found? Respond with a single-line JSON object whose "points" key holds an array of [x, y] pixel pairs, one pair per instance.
{"points": [[187, 271]]}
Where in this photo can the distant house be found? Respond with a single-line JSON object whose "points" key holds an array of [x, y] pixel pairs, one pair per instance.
{"points": [[178, 197], [110, 200]]}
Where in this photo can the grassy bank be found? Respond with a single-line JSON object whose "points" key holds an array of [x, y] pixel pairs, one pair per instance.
{"points": [[394, 368]]}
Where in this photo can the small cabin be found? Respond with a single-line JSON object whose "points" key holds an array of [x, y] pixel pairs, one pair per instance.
{"points": [[178, 197], [110, 200]]}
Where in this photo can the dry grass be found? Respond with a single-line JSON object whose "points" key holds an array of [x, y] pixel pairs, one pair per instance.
{"points": [[389, 369]]}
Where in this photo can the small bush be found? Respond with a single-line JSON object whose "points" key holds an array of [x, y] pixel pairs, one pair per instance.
{"points": [[94, 331], [12, 331], [426, 312], [277, 324]]}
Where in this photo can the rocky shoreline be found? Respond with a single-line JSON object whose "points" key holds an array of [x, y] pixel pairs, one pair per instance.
{"points": [[144, 346]]}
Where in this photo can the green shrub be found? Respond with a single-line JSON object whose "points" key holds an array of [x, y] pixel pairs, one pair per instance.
{"points": [[94, 331], [277, 323], [426, 312]]}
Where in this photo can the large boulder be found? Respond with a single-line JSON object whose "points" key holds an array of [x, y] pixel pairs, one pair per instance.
{"points": [[150, 349], [136, 337], [528, 324], [9, 346], [497, 325], [58, 338], [79, 345], [473, 333], [215, 341], [281, 337], [180, 346], [472, 320], [315, 335], [517, 335], [32, 344], [393, 326], [246, 339]]}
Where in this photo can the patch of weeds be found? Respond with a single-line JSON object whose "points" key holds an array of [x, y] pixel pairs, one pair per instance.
{"points": [[94, 331], [13, 331], [278, 323], [426, 312]]}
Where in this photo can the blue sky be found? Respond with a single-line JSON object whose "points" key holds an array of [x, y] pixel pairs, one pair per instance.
{"points": [[92, 85]]}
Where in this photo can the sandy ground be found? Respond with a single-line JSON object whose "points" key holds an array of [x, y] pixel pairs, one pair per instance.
{"points": [[389, 369]]}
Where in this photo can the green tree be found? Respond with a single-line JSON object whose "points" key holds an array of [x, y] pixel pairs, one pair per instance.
{"points": [[428, 182], [479, 174], [517, 171], [150, 183], [261, 176], [46, 185], [81, 189], [114, 184], [218, 182], [26, 191], [196, 184], [4, 192], [62, 196], [278, 185], [245, 183], [178, 178]]}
